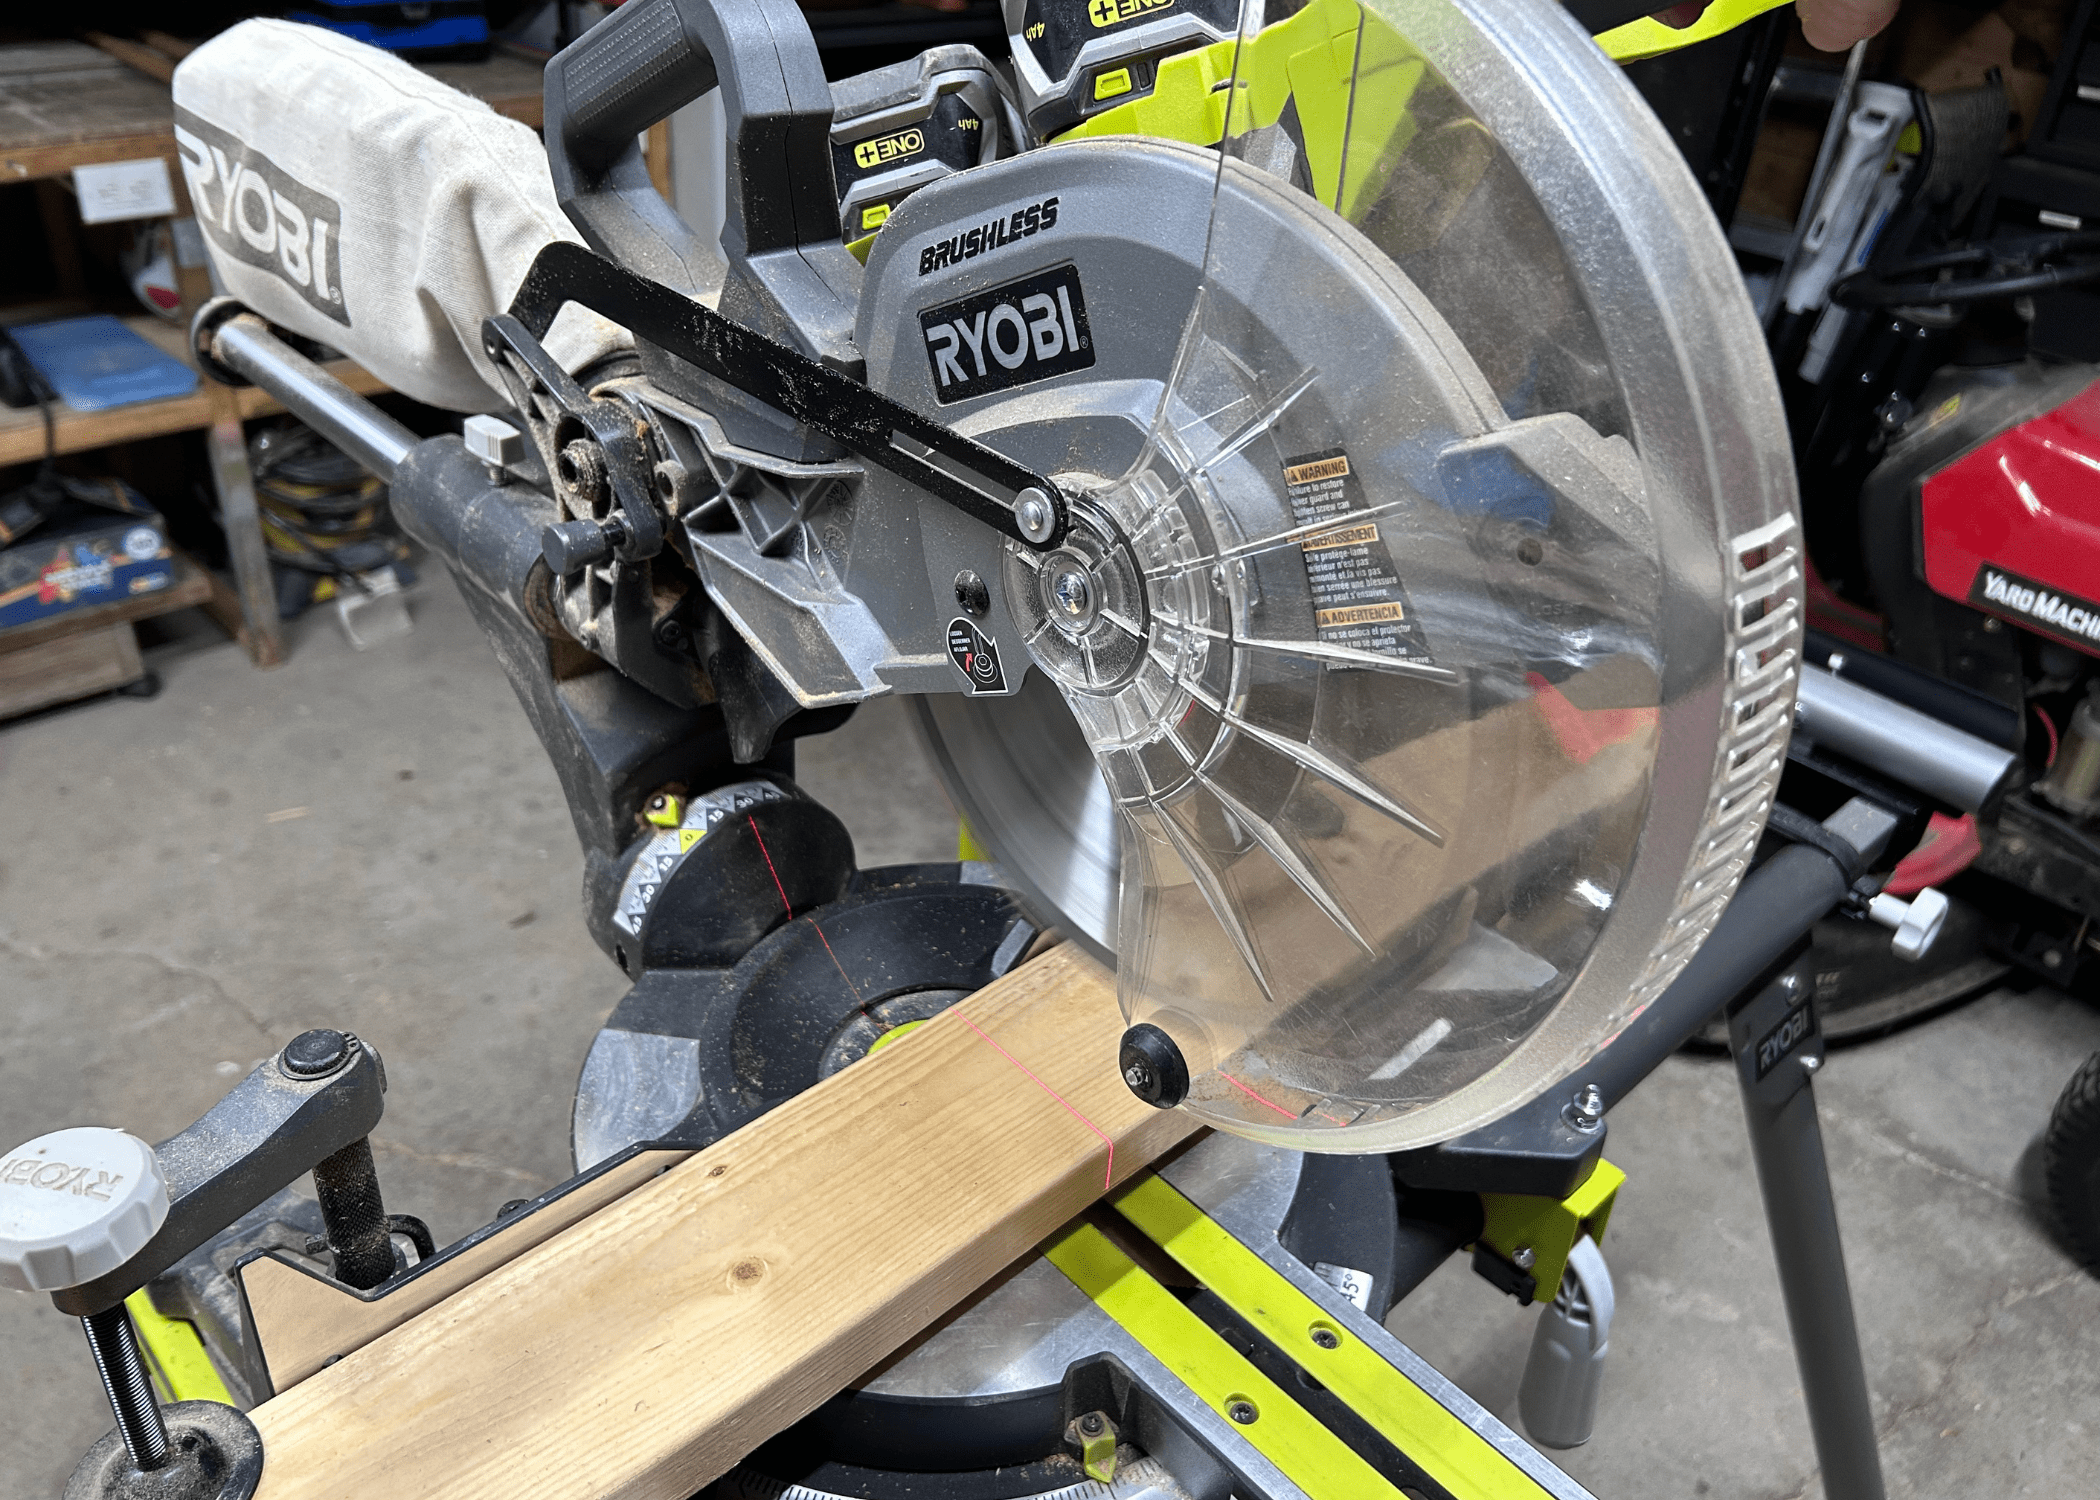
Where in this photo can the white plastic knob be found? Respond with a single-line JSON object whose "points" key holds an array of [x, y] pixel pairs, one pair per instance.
{"points": [[1917, 921], [494, 441], [76, 1204]]}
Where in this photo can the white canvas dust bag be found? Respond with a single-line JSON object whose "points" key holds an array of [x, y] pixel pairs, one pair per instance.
{"points": [[347, 197]]}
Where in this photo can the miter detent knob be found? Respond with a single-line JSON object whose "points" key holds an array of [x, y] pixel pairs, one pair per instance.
{"points": [[76, 1204], [1917, 922]]}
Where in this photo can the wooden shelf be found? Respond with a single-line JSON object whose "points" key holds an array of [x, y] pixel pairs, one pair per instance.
{"points": [[192, 585], [65, 105], [22, 431]]}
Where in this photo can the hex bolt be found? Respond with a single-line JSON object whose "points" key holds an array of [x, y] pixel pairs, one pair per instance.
{"points": [[130, 1389], [581, 467], [1033, 514], [1242, 1411], [1326, 1338], [1586, 1110]]}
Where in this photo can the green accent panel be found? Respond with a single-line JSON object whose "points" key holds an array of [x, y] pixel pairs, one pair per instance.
{"points": [[1350, 78], [175, 1355], [1550, 1226], [1287, 1435], [1650, 38], [1453, 1454]]}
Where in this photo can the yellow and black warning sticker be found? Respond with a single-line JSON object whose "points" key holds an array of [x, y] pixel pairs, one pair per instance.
{"points": [[1357, 596]]}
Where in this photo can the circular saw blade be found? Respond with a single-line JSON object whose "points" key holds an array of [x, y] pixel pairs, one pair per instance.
{"points": [[1432, 658]]}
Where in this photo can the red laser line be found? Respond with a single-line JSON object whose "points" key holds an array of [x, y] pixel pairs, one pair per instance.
{"points": [[1108, 1178], [762, 849], [850, 985], [1256, 1097]]}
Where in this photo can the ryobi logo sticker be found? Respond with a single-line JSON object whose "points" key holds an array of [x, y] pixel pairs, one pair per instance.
{"points": [[1026, 330], [258, 213]]}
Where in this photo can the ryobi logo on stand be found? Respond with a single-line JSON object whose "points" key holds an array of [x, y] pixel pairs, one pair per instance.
{"points": [[1026, 330]]}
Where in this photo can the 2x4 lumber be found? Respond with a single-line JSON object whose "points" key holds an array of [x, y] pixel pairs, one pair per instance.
{"points": [[644, 1351]]}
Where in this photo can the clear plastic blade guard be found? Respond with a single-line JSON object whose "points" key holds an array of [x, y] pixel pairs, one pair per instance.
{"points": [[1438, 653]]}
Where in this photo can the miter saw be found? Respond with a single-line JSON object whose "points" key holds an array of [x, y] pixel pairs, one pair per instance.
{"points": [[1315, 472]]}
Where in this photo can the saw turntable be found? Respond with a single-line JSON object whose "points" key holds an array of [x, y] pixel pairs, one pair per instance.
{"points": [[1317, 475]]}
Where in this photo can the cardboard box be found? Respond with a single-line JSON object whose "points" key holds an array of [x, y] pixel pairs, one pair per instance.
{"points": [[80, 558]]}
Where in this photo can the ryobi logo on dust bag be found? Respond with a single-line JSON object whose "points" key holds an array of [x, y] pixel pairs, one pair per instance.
{"points": [[1026, 330], [259, 213]]}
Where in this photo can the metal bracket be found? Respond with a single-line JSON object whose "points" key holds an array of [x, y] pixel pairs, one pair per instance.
{"points": [[593, 450], [1536, 1234], [1009, 497]]}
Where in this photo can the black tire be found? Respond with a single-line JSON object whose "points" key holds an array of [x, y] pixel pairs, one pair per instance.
{"points": [[2071, 1164]]}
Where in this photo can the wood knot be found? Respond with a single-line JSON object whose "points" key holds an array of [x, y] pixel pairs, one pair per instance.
{"points": [[746, 1274], [718, 1169]]}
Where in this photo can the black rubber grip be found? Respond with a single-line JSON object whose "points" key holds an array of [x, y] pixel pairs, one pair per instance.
{"points": [[622, 78], [651, 57]]}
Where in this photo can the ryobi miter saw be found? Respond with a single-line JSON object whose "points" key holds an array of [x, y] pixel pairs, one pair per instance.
{"points": [[1316, 473]]}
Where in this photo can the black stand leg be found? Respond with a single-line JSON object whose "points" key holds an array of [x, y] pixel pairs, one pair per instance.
{"points": [[1778, 1049]]}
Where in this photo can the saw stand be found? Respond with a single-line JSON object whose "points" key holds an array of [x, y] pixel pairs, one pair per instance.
{"points": [[1753, 969]]}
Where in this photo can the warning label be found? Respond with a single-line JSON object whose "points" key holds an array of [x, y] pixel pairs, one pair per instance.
{"points": [[1358, 599]]}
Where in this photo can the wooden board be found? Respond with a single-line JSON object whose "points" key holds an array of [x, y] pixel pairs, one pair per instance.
{"points": [[73, 666], [22, 430], [647, 1349]]}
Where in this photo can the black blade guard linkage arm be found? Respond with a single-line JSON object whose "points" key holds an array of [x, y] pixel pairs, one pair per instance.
{"points": [[1009, 497]]}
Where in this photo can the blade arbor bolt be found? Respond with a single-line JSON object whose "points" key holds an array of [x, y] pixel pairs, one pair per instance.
{"points": [[1072, 593]]}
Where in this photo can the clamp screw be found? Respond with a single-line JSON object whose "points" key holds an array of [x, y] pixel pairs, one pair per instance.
{"points": [[1524, 1257], [1092, 1423], [1586, 1110], [1032, 513], [1241, 1410], [1326, 1338], [130, 1390]]}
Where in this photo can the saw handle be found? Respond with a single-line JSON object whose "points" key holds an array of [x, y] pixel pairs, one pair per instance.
{"points": [[651, 57]]}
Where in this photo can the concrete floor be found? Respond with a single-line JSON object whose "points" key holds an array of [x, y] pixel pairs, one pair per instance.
{"points": [[376, 842]]}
